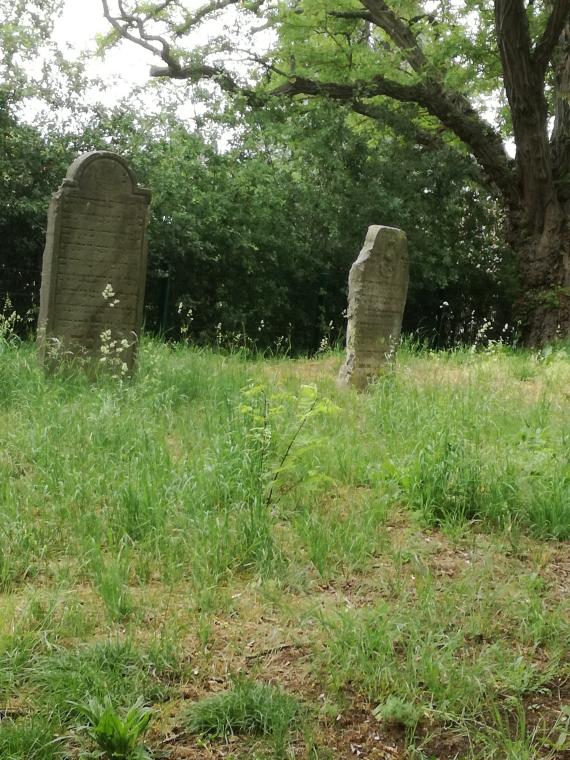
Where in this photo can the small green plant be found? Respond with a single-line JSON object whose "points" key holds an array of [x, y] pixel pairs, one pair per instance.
{"points": [[269, 421], [30, 738], [266, 453], [451, 483], [247, 708], [548, 509], [117, 738], [9, 321], [510, 736], [396, 711]]}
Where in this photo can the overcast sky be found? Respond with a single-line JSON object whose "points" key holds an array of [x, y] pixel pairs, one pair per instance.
{"points": [[123, 67], [76, 30]]}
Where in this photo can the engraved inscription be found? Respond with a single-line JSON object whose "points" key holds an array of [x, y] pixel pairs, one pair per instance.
{"points": [[94, 264]]}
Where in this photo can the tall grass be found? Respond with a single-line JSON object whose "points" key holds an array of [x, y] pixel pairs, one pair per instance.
{"points": [[135, 514]]}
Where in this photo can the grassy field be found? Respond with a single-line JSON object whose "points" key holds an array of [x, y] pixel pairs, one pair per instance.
{"points": [[278, 569]]}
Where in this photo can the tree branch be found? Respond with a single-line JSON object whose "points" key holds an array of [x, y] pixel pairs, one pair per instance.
{"points": [[173, 69], [364, 15], [198, 71], [560, 139], [430, 140], [347, 92], [217, 74], [554, 27], [388, 117], [453, 110], [513, 37], [159, 8], [205, 10], [123, 23], [398, 31]]}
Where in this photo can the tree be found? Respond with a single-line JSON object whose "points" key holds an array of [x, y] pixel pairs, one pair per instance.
{"points": [[439, 62], [35, 75], [262, 234], [25, 27], [31, 168], [33, 160]]}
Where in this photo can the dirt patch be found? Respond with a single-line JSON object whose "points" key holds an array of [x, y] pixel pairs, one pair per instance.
{"points": [[544, 715], [556, 571], [355, 732]]}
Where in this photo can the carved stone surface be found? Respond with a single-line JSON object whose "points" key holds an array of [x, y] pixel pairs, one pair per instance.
{"points": [[94, 264], [377, 289]]}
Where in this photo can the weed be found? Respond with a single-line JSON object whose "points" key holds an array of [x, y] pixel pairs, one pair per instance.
{"points": [[398, 712], [509, 737], [9, 322], [548, 508], [262, 449], [32, 739], [429, 660], [111, 581], [117, 738], [63, 679]]}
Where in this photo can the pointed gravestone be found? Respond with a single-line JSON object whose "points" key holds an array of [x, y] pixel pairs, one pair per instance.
{"points": [[377, 289], [94, 265]]}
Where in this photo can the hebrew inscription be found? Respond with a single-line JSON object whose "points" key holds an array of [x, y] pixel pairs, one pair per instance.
{"points": [[377, 289], [94, 265]]}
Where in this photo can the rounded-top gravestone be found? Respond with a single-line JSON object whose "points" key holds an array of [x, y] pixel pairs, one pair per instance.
{"points": [[94, 265]]}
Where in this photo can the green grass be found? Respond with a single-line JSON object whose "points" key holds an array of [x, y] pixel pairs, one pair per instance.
{"points": [[395, 560], [247, 708]]}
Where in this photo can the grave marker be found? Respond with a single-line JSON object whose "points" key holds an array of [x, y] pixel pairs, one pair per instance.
{"points": [[377, 289], [94, 265]]}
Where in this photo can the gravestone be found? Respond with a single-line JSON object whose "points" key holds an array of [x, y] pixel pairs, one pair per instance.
{"points": [[377, 289], [94, 265]]}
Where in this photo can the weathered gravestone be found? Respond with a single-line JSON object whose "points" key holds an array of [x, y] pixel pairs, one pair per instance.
{"points": [[94, 265], [377, 289]]}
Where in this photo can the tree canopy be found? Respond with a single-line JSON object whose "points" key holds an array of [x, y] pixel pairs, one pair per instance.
{"points": [[443, 64]]}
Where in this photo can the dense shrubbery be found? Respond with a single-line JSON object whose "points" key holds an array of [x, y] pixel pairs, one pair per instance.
{"points": [[257, 240], [30, 169]]}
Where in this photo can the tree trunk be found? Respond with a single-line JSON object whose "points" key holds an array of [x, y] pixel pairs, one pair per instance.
{"points": [[543, 308], [540, 218]]}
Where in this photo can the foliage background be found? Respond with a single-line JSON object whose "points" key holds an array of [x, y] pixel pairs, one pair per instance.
{"points": [[257, 238]]}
